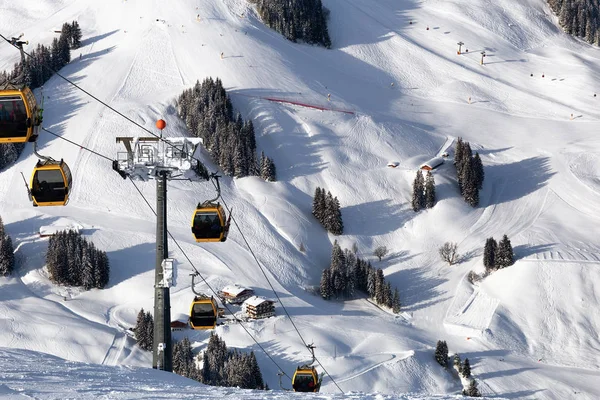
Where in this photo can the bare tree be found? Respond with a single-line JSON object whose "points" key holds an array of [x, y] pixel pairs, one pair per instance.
{"points": [[448, 252], [380, 252]]}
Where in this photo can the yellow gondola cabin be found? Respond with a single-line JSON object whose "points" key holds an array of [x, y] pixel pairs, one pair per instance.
{"points": [[20, 118], [209, 223], [306, 379], [203, 313], [50, 183]]}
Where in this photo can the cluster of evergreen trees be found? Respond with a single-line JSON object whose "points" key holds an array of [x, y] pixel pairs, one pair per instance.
{"points": [[326, 210], [423, 191], [72, 260], [469, 171], [208, 114], [463, 368], [144, 330], [497, 255], [296, 19], [223, 367], [10, 152], [579, 18], [349, 273], [7, 256], [183, 360], [36, 73]]}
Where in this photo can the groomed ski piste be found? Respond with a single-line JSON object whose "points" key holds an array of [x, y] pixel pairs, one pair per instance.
{"points": [[530, 330]]}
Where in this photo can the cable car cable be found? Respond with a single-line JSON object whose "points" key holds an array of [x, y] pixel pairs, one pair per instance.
{"points": [[172, 145], [276, 295], [177, 244]]}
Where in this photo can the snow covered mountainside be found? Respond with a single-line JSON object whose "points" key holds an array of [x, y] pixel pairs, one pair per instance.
{"points": [[530, 330]]}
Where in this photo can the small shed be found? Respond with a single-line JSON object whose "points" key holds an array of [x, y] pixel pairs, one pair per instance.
{"points": [[178, 325], [258, 307], [432, 164], [236, 294]]}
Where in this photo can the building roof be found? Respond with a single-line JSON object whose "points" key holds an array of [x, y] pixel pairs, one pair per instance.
{"points": [[234, 289], [256, 301], [434, 162]]}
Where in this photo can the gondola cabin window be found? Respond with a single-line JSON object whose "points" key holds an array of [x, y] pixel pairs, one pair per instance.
{"points": [[13, 117]]}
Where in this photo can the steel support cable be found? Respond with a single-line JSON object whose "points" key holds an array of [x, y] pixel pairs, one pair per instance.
{"points": [[176, 243]]}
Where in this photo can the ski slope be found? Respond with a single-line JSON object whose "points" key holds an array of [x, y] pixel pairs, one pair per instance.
{"points": [[530, 331]]}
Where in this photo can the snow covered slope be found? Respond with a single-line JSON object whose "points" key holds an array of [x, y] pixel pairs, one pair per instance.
{"points": [[27, 374], [530, 331]]}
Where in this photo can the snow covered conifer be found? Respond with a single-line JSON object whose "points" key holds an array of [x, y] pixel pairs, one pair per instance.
{"points": [[489, 253], [441, 353], [141, 330], [429, 190], [325, 287], [396, 302], [466, 369], [469, 186], [379, 286], [318, 209], [7, 256], [472, 390], [75, 35], [458, 152], [457, 362], [418, 196], [334, 221], [478, 173], [504, 254]]}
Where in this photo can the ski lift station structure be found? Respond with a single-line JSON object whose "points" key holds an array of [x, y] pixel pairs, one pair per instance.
{"points": [[145, 156], [162, 160]]}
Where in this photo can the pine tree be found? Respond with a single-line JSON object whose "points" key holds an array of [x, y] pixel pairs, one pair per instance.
{"points": [[64, 50], [379, 286], [336, 223], [466, 369], [87, 271], [478, 173], [319, 205], [387, 295], [489, 253], [396, 302], [458, 152], [457, 362], [469, 186], [472, 391], [429, 190], [325, 286], [441, 353], [75, 35], [7, 257], [418, 196], [141, 330], [149, 336], [371, 281], [504, 253]]}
